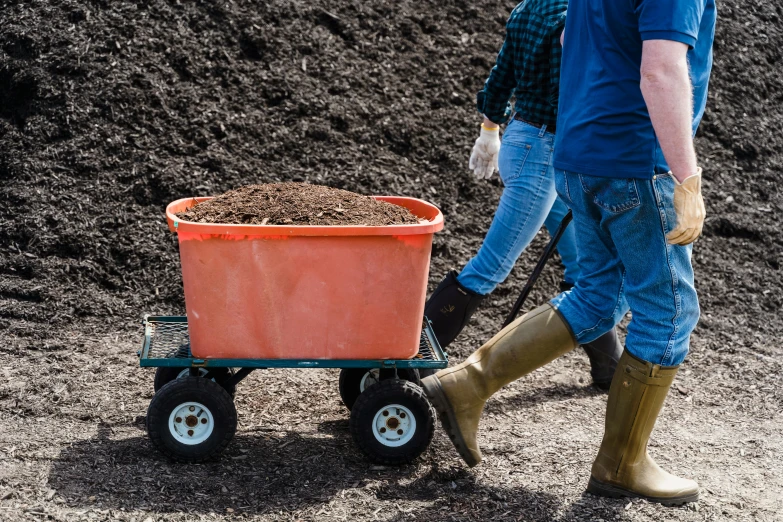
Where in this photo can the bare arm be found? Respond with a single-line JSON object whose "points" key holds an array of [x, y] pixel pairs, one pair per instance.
{"points": [[666, 88]]}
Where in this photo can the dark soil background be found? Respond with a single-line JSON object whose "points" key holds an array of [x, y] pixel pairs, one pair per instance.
{"points": [[110, 110]]}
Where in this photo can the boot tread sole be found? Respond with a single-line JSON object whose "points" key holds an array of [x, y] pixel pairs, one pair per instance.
{"points": [[602, 489]]}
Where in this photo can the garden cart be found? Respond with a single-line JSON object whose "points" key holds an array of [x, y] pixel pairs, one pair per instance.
{"points": [[192, 416], [285, 296]]}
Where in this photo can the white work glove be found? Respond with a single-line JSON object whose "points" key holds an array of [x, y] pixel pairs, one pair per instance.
{"points": [[484, 159]]}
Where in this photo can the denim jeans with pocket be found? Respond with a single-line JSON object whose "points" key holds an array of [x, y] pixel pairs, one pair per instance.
{"points": [[528, 201], [622, 224]]}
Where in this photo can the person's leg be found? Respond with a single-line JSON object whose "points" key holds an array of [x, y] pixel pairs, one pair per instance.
{"points": [[525, 168], [595, 304], [605, 351], [658, 284], [459, 393], [663, 295], [626, 238]]}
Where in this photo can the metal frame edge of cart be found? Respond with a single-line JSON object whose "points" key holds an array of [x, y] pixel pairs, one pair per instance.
{"points": [[439, 358]]}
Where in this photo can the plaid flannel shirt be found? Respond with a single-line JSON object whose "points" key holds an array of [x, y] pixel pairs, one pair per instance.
{"points": [[528, 65]]}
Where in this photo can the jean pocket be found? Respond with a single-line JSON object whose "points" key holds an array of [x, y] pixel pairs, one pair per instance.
{"points": [[611, 194], [511, 159]]}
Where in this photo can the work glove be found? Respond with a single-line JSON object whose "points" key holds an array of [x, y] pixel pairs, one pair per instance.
{"points": [[689, 207], [484, 159]]}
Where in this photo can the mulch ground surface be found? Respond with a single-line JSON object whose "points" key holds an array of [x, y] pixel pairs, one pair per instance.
{"points": [[297, 204], [111, 110]]}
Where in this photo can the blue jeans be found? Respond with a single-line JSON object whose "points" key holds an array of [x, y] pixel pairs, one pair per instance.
{"points": [[528, 201], [622, 226]]}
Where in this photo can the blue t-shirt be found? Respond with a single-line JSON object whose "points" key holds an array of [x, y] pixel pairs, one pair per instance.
{"points": [[603, 127]]}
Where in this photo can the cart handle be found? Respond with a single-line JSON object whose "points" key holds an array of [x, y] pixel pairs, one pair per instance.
{"points": [[550, 249]]}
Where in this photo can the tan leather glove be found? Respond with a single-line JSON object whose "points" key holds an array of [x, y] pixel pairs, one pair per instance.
{"points": [[689, 206]]}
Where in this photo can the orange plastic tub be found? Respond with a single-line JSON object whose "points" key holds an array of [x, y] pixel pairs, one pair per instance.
{"points": [[305, 292]]}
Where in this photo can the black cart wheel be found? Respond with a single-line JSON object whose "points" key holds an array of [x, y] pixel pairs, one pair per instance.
{"points": [[191, 419], [353, 381], [165, 375], [393, 422]]}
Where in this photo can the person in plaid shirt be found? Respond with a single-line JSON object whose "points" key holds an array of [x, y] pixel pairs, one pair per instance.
{"points": [[528, 66]]}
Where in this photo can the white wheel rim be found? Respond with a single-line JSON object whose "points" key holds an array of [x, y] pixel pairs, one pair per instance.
{"points": [[368, 379], [191, 423], [394, 425]]}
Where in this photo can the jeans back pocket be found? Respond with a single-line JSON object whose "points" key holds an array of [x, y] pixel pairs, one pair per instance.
{"points": [[611, 194], [511, 159]]}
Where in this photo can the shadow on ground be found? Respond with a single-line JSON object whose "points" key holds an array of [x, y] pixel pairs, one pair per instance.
{"points": [[262, 473]]}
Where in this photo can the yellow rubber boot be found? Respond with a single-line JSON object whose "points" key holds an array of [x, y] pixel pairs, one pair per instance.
{"points": [[623, 468], [459, 393]]}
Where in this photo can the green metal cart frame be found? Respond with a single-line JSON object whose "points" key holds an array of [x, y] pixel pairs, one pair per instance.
{"points": [[167, 344], [192, 416]]}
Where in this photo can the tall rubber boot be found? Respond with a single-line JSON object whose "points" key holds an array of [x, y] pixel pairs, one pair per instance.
{"points": [[623, 467], [459, 393], [604, 353], [450, 307]]}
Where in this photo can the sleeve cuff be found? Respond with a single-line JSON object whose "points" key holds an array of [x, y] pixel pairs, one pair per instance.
{"points": [[496, 113], [499, 120], [674, 36]]}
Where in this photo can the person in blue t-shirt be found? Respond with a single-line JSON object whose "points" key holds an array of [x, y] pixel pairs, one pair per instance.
{"points": [[633, 88]]}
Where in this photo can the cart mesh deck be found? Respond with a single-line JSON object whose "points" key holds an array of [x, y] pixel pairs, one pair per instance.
{"points": [[166, 343]]}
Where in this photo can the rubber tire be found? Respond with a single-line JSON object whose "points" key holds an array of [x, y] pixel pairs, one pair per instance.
{"points": [[393, 391], [351, 378], [194, 389], [164, 375]]}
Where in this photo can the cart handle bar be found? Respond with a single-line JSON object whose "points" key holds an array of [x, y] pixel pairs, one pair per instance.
{"points": [[550, 249]]}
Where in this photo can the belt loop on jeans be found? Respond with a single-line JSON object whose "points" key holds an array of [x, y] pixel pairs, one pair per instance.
{"points": [[543, 130]]}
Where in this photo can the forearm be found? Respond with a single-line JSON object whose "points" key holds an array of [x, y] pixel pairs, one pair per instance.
{"points": [[666, 88], [493, 100]]}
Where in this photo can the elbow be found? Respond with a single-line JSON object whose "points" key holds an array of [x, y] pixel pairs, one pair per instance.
{"points": [[651, 80], [657, 71], [664, 66], [664, 72], [652, 75]]}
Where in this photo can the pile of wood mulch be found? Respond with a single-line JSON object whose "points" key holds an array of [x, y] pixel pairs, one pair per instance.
{"points": [[297, 204]]}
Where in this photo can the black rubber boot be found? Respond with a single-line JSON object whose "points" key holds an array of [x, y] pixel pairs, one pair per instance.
{"points": [[603, 353], [450, 307]]}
